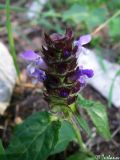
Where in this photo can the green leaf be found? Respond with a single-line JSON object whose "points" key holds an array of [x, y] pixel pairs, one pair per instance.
{"points": [[114, 27], [83, 123], [50, 13], [82, 156], [83, 13], [96, 17], [77, 13], [113, 5], [98, 115], [34, 139], [2, 152], [66, 135], [1, 148]]}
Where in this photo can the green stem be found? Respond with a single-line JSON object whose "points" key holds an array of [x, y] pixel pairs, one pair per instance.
{"points": [[78, 134], [79, 137], [10, 36]]}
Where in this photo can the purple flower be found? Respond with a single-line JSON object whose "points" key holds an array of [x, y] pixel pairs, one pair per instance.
{"points": [[66, 54], [81, 75], [85, 39], [79, 72], [31, 56], [64, 93], [58, 68], [86, 72], [36, 67], [82, 81]]}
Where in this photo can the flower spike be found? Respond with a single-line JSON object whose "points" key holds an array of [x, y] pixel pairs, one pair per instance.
{"points": [[58, 68]]}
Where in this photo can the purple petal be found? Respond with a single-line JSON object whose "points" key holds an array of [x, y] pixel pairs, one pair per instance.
{"points": [[66, 54], [35, 72], [88, 72], [75, 75], [85, 39], [77, 43], [81, 72], [64, 93], [30, 69], [41, 63], [29, 55], [82, 81], [39, 74]]}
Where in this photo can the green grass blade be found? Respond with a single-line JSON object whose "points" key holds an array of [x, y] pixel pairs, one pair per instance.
{"points": [[10, 36]]}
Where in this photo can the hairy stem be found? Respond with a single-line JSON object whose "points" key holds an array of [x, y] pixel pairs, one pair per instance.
{"points": [[78, 134]]}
